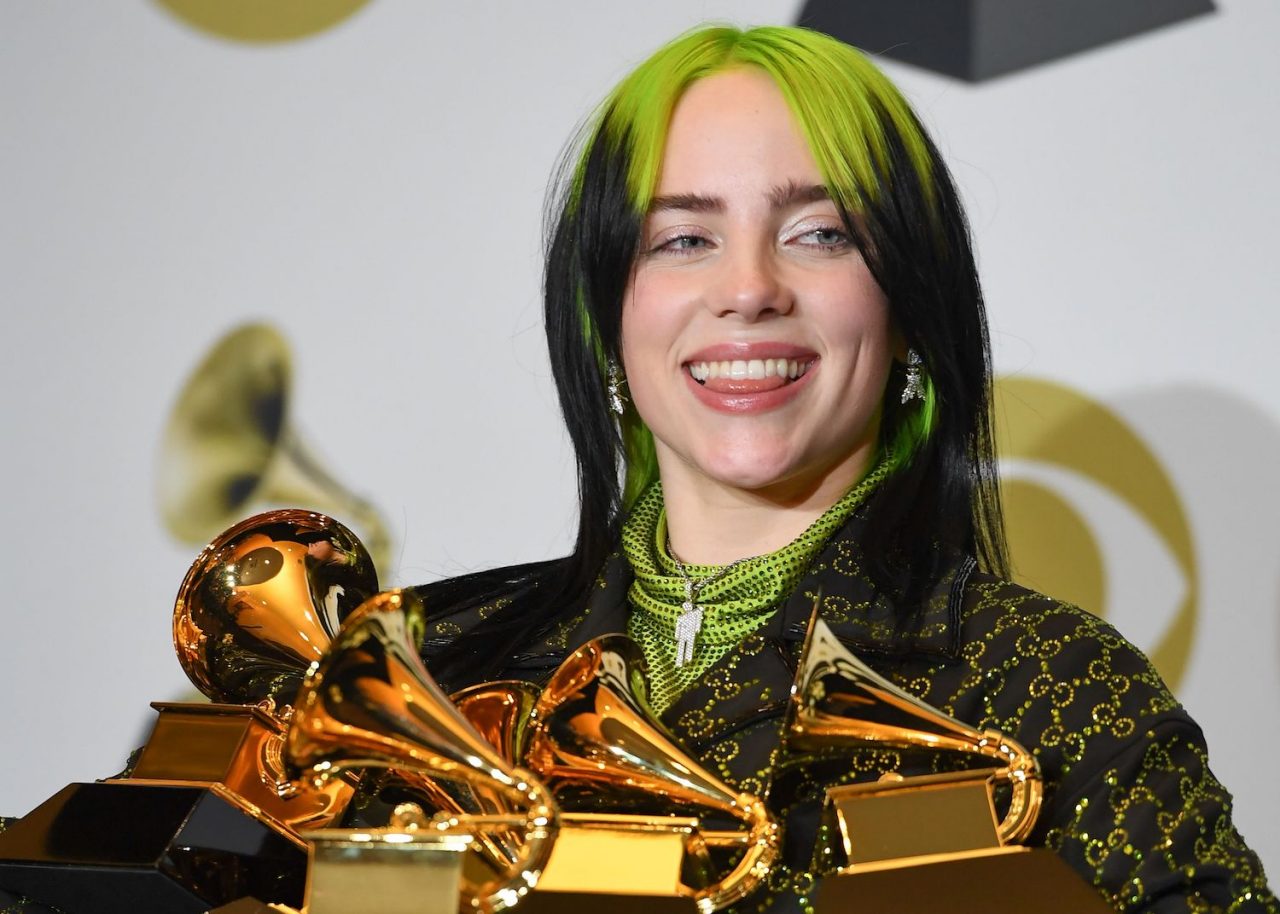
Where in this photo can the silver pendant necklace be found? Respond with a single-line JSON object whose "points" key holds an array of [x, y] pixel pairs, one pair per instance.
{"points": [[689, 622]]}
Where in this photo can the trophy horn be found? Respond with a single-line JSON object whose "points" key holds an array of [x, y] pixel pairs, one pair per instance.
{"points": [[501, 712], [837, 700], [258, 606], [370, 703], [228, 445], [262, 602], [595, 742]]}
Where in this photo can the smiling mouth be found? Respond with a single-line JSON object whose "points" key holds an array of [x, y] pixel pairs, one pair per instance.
{"points": [[740, 375]]}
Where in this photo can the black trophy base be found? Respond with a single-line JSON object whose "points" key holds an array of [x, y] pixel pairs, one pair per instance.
{"points": [[122, 848]]}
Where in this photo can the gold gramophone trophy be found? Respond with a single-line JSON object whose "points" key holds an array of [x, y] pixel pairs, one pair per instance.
{"points": [[370, 703], [596, 743], [207, 816], [924, 843], [588, 738]]}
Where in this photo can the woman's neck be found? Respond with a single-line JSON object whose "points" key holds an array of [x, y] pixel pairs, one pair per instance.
{"points": [[713, 523]]}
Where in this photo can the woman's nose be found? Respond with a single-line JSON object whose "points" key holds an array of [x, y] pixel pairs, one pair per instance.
{"points": [[750, 286]]}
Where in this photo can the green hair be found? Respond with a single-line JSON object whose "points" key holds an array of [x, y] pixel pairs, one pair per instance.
{"points": [[851, 116], [899, 205]]}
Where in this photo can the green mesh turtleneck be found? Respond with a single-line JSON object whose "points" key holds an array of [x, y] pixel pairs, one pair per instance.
{"points": [[735, 604]]}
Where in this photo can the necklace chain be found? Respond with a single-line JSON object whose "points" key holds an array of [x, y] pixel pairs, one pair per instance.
{"points": [[689, 622]]}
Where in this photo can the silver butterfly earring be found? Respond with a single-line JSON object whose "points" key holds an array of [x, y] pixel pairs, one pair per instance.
{"points": [[914, 388], [616, 380]]}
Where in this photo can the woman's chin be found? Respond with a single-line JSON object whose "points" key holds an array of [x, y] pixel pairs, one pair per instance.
{"points": [[779, 473], [754, 476]]}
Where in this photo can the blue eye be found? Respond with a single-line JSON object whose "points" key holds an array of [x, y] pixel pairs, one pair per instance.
{"points": [[827, 238], [682, 244]]}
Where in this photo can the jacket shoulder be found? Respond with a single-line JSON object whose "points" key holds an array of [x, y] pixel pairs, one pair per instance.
{"points": [[457, 605], [1014, 624]]}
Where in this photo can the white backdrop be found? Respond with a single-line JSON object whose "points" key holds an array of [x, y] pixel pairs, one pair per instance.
{"points": [[375, 191]]}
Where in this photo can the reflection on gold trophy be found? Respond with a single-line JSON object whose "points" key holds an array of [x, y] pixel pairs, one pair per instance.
{"points": [[228, 446], [589, 737], [258, 607], [928, 842], [597, 744], [370, 703], [207, 816], [838, 700]]}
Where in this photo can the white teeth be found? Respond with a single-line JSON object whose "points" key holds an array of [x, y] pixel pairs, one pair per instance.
{"points": [[753, 369]]}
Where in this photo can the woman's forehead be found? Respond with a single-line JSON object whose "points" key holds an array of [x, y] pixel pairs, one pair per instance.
{"points": [[734, 132]]}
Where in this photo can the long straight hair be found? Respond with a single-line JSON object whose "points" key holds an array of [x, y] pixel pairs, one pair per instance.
{"points": [[898, 202]]}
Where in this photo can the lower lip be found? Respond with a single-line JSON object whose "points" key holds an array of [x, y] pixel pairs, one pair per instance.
{"points": [[746, 404]]}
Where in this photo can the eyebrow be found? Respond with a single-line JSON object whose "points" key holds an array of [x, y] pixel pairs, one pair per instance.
{"points": [[793, 194], [780, 197]]}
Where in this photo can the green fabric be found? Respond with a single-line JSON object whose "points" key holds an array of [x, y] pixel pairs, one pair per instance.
{"points": [[736, 603]]}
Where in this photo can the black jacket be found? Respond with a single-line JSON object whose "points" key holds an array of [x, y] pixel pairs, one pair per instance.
{"points": [[1130, 801]]}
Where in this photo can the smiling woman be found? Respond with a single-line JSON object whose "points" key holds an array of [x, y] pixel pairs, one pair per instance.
{"points": [[746, 262], [770, 346]]}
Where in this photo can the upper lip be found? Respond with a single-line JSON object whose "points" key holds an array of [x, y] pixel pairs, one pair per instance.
{"points": [[728, 352]]}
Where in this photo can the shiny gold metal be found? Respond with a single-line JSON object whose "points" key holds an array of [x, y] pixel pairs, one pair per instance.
{"points": [[240, 748], [950, 813], [257, 607], [501, 713], [619, 854], [370, 703], [261, 603], [837, 700], [597, 744], [228, 446], [594, 852], [406, 868]]}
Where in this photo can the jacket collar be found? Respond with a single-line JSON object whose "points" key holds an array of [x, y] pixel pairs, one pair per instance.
{"points": [[858, 614], [739, 704]]}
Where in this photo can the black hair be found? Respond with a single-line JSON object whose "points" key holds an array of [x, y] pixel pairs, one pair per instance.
{"points": [[941, 502]]}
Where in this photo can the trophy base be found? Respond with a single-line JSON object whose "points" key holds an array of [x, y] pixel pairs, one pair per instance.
{"points": [[627, 864], [385, 870], [119, 848], [1018, 878]]}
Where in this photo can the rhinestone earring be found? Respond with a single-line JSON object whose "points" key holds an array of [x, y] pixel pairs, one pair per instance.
{"points": [[914, 388], [616, 380]]}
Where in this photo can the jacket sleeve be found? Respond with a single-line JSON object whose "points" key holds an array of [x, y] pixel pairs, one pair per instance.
{"points": [[1151, 826], [1130, 802]]}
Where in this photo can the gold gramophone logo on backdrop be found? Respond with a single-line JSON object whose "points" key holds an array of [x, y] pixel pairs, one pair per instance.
{"points": [[228, 448], [262, 20], [1053, 548]]}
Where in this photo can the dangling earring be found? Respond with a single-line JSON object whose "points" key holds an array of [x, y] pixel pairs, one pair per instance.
{"points": [[616, 380], [914, 388]]}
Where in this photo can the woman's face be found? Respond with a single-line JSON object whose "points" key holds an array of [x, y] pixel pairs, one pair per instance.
{"points": [[755, 342]]}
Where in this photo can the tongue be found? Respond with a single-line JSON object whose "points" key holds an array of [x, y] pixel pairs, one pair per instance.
{"points": [[744, 385]]}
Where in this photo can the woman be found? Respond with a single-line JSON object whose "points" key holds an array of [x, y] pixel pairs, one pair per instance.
{"points": [[762, 302]]}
